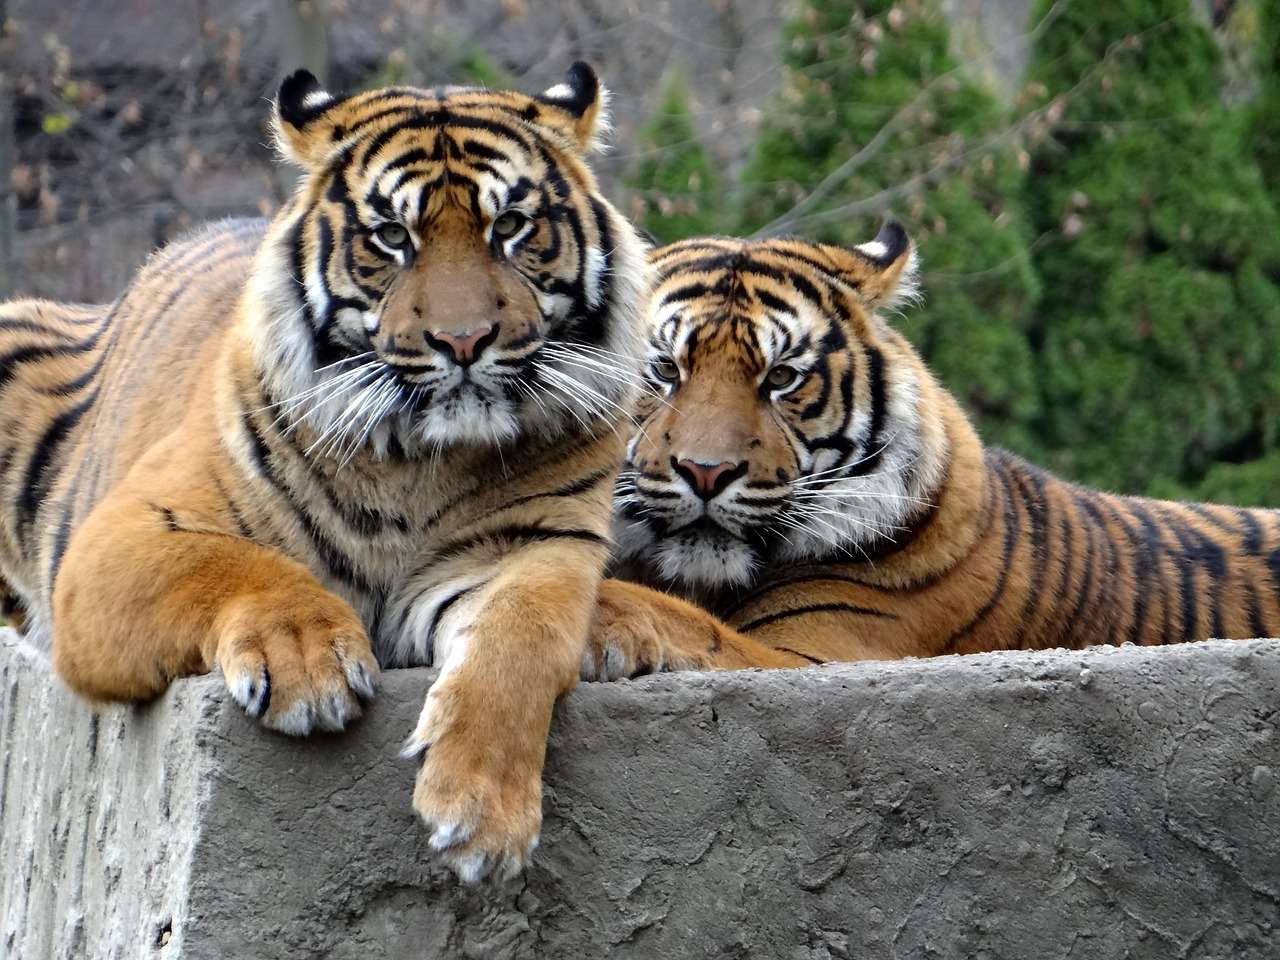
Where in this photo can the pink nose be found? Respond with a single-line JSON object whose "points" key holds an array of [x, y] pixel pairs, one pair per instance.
{"points": [[708, 479], [464, 348]]}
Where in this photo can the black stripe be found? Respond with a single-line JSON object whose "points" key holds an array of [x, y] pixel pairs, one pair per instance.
{"points": [[1198, 553], [168, 516], [805, 287], [512, 534], [1008, 511], [1147, 550], [802, 656], [339, 565], [815, 608], [774, 302], [1105, 606], [874, 447], [1031, 488], [436, 617], [237, 518], [819, 403], [41, 471], [1257, 622], [9, 362]]}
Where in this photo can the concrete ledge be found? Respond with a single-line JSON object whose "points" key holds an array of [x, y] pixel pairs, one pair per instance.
{"points": [[1101, 803]]}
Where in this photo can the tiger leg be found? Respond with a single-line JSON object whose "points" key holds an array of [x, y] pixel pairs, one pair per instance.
{"points": [[482, 734], [143, 597], [636, 630]]}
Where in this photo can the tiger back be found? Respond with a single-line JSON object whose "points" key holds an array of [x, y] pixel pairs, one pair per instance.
{"points": [[799, 473], [378, 430]]}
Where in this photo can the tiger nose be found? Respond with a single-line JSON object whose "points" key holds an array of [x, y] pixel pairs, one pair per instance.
{"points": [[708, 479], [465, 348]]}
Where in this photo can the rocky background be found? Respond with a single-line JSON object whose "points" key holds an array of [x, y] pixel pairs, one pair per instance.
{"points": [[136, 118]]}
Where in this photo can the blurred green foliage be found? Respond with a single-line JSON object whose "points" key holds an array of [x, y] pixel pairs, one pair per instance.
{"points": [[677, 187], [1158, 334], [436, 59], [1101, 258]]}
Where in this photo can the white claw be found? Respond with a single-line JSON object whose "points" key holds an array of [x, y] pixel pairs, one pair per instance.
{"points": [[337, 711], [297, 721], [251, 690], [448, 835], [412, 750], [358, 678], [470, 867], [511, 867], [611, 663], [588, 669]]}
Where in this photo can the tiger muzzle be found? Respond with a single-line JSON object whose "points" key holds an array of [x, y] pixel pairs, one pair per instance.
{"points": [[462, 349]]}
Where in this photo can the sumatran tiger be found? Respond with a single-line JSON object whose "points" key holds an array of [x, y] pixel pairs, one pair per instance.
{"points": [[378, 430], [799, 473]]}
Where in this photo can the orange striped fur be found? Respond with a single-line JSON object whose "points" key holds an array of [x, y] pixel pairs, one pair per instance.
{"points": [[379, 430], [800, 474]]}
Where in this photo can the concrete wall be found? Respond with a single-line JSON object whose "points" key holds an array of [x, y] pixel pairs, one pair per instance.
{"points": [[1104, 803]]}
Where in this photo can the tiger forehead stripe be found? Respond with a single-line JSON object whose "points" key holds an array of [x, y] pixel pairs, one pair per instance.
{"points": [[418, 121], [732, 275], [407, 100]]}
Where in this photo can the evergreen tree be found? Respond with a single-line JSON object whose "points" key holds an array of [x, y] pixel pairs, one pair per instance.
{"points": [[875, 117], [1160, 321], [676, 188]]}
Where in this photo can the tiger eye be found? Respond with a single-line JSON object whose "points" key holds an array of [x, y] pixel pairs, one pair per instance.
{"points": [[781, 376], [508, 225], [665, 369], [393, 235]]}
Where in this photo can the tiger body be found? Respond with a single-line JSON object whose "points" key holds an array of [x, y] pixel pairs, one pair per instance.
{"points": [[802, 476], [379, 430]]}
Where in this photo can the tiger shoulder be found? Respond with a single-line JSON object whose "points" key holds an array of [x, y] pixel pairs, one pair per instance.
{"points": [[798, 472]]}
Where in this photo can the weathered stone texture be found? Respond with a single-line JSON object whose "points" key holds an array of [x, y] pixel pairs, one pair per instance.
{"points": [[1103, 803]]}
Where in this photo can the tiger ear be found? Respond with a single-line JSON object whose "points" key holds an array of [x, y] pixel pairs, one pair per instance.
{"points": [[301, 133], [884, 270], [577, 107]]}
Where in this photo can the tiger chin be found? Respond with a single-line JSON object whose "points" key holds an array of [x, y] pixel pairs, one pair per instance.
{"points": [[800, 489], [379, 430]]}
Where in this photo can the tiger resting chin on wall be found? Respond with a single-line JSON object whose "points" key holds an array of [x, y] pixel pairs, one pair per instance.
{"points": [[799, 473], [378, 430]]}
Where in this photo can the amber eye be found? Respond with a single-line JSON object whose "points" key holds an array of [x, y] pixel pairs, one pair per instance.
{"points": [[509, 224], [781, 376], [665, 369], [394, 236]]}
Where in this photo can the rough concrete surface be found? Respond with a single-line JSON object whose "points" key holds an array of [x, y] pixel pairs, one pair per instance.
{"points": [[1100, 803]]}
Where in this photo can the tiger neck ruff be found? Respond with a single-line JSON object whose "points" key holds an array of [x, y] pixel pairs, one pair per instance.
{"points": [[378, 430], [798, 472]]}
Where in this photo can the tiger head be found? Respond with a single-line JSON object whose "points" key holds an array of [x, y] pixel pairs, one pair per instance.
{"points": [[447, 270], [786, 421]]}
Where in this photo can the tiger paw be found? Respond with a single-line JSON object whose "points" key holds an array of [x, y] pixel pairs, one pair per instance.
{"points": [[479, 789], [637, 631], [297, 662]]}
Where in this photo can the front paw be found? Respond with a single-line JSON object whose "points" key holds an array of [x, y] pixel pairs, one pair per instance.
{"points": [[479, 789], [618, 650], [636, 631], [298, 662]]}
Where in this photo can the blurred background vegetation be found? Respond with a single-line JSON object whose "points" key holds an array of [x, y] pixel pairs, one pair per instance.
{"points": [[1094, 184]]}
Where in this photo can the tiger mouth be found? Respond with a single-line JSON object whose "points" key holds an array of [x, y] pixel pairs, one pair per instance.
{"points": [[410, 373], [704, 528]]}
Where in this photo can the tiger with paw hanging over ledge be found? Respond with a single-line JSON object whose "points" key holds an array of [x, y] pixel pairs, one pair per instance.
{"points": [[380, 430], [799, 473]]}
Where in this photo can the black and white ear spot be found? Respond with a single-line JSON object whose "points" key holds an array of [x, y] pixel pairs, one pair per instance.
{"points": [[577, 92], [883, 271], [577, 107], [301, 99], [890, 243]]}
